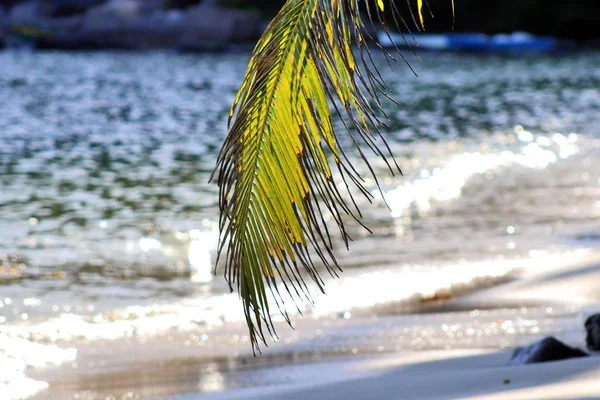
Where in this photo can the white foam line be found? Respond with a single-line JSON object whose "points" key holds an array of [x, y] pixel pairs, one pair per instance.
{"points": [[16, 355]]}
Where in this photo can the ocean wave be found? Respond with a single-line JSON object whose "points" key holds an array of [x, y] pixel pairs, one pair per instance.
{"points": [[34, 345], [17, 354]]}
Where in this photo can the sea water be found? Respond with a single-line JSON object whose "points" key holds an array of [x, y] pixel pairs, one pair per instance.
{"points": [[108, 225]]}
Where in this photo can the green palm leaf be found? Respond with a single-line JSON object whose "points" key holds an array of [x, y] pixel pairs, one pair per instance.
{"points": [[275, 169]]}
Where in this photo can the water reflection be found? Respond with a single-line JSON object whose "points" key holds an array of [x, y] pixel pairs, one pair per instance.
{"points": [[17, 354], [202, 245], [446, 182], [211, 379]]}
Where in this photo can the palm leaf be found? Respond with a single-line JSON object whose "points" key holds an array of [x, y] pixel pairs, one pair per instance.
{"points": [[420, 10], [276, 167]]}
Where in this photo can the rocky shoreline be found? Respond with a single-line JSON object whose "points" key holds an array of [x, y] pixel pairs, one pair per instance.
{"points": [[127, 24], [209, 25]]}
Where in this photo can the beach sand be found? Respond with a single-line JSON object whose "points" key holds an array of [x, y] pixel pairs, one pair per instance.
{"points": [[469, 373], [456, 348]]}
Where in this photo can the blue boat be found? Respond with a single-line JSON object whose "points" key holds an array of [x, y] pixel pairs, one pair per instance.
{"points": [[518, 42]]}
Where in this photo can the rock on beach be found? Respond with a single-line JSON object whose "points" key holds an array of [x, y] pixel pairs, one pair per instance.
{"points": [[130, 24], [547, 349]]}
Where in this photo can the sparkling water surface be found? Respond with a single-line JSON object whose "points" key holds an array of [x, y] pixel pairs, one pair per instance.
{"points": [[108, 222]]}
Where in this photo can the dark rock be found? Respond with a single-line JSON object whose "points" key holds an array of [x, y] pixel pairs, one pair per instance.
{"points": [[179, 4], [547, 349], [135, 24], [27, 12], [125, 9], [592, 329], [3, 20], [110, 17], [209, 25], [130, 24], [149, 6], [99, 20], [68, 8], [3, 27]]}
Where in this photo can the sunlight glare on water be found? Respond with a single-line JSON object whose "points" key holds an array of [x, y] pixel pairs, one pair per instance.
{"points": [[108, 225], [446, 182], [203, 244]]}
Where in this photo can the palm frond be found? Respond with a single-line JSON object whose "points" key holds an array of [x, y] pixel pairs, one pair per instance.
{"points": [[420, 10], [275, 169]]}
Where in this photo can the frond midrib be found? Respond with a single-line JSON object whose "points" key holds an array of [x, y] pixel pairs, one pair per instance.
{"points": [[286, 54]]}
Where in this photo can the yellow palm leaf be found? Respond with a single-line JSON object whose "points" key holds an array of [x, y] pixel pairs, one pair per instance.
{"points": [[420, 10], [275, 167]]}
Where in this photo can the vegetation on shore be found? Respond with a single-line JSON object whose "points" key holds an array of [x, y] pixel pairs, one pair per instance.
{"points": [[572, 19], [187, 23]]}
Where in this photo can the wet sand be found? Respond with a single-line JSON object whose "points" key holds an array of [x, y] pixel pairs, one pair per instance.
{"points": [[454, 350], [467, 374]]}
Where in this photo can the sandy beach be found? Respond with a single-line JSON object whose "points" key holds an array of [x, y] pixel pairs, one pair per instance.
{"points": [[443, 375], [434, 353], [468, 374]]}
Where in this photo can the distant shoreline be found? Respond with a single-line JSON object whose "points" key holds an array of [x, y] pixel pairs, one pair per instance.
{"points": [[204, 26], [128, 24]]}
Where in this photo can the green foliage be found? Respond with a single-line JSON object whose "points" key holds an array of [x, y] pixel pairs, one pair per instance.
{"points": [[268, 8], [276, 167]]}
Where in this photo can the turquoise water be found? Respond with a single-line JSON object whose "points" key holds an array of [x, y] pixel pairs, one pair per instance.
{"points": [[105, 160], [106, 213]]}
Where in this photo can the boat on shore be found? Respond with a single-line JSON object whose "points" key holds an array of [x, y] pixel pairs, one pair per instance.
{"points": [[518, 42]]}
